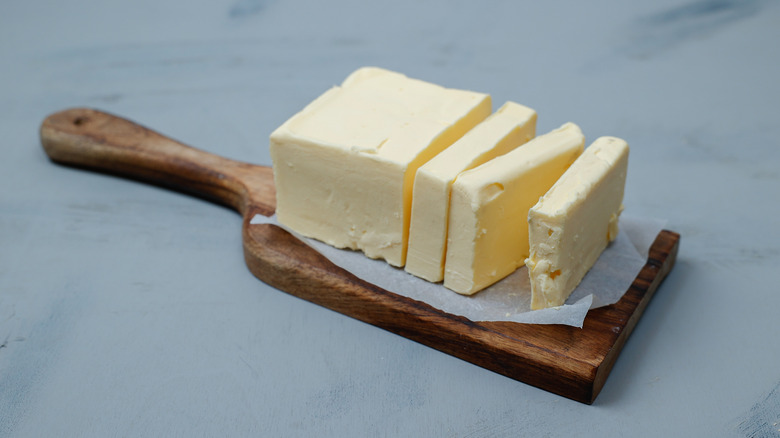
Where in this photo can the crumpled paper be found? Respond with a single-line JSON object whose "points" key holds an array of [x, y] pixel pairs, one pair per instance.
{"points": [[510, 298]]}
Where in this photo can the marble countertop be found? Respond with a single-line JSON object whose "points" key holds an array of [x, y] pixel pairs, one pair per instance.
{"points": [[127, 310]]}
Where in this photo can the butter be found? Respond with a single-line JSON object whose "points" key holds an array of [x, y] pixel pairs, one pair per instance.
{"points": [[575, 220], [507, 128], [344, 166], [488, 228]]}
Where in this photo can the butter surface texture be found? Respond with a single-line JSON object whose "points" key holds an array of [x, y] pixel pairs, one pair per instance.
{"points": [[488, 228], [575, 220], [344, 166], [509, 127]]}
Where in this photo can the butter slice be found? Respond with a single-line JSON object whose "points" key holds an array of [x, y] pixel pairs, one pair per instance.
{"points": [[488, 229], [509, 127], [574, 222], [344, 166]]}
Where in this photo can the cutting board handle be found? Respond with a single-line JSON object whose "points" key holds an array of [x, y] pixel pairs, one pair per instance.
{"points": [[97, 140]]}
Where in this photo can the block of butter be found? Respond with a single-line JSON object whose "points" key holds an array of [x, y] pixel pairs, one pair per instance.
{"points": [[488, 228], [344, 166], [574, 221], [507, 128]]}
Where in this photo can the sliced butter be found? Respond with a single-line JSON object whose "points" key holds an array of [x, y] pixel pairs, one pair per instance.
{"points": [[507, 128], [573, 223], [488, 228], [344, 166]]}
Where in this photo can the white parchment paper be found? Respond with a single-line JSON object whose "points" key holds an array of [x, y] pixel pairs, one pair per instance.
{"points": [[510, 298]]}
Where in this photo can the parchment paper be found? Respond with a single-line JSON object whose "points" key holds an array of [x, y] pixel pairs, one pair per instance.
{"points": [[510, 298]]}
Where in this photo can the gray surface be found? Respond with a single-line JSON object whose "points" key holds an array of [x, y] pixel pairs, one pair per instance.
{"points": [[126, 310]]}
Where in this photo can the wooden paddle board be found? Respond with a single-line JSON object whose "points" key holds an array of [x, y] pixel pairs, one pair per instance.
{"points": [[565, 360]]}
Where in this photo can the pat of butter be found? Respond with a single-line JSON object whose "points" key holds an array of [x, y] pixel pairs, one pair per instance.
{"points": [[344, 166], [488, 229], [574, 222], [506, 129]]}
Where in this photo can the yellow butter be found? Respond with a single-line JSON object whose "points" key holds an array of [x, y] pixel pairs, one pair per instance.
{"points": [[344, 166], [575, 220], [488, 228], [507, 128]]}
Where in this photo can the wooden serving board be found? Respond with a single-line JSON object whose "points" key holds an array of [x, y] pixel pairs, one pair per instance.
{"points": [[565, 360]]}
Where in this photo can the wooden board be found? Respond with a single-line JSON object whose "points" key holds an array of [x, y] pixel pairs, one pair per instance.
{"points": [[565, 360]]}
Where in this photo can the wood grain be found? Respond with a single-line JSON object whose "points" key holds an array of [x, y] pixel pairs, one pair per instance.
{"points": [[96, 140], [565, 360]]}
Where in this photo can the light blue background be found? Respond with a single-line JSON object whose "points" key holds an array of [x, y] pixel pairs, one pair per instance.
{"points": [[126, 310]]}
